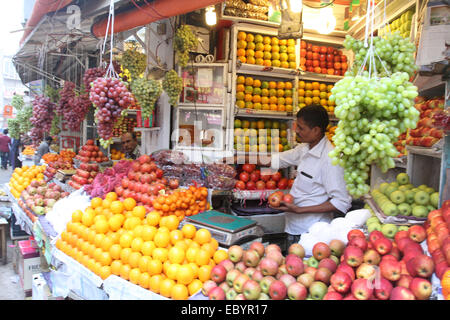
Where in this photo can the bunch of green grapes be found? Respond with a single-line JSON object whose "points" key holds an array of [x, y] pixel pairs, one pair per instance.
{"points": [[17, 102], [14, 128], [183, 42], [395, 52], [172, 85], [52, 93], [146, 92], [134, 61], [24, 116], [372, 112]]}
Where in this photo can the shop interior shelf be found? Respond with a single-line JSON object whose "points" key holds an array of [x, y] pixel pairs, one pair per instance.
{"points": [[305, 75], [251, 113], [425, 151], [259, 70]]}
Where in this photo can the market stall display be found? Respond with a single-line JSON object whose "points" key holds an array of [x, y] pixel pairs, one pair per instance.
{"points": [[314, 92], [90, 153], [22, 177]]}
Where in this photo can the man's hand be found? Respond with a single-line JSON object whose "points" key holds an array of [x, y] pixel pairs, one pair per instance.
{"points": [[288, 207]]}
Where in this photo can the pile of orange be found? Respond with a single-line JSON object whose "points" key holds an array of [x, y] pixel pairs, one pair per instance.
{"points": [[315, 93], [331, 130], [22, 177], [265, 50], [117, 155], [112, 237], [182, 202], [28, 151], [264, 95]]}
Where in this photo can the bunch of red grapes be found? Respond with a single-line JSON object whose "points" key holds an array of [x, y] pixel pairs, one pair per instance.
{"points": [[110, 96], [441, 120], [43, 113], [71, 107], [90, 75]]}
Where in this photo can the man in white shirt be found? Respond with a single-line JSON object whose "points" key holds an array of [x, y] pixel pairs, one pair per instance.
{"points": [[319, 189]]}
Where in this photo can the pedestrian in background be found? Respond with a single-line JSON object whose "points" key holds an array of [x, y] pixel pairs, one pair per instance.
{"points": [[4, 148], [16, 145]]}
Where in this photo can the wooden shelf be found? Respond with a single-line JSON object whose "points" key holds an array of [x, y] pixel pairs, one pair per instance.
{"points": [[272, 72], [251, 113], [430, 86], [430, 152], [147, 129], [305, 75]]}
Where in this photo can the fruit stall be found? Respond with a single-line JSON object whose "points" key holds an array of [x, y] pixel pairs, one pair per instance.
{"points": [[179, 223]]}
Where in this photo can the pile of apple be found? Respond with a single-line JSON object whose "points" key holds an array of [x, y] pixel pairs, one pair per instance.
{"points": [[322, 59], [252, 178], [438, 240], [425, 135], [373, 268], [401, 198], [91, 153], [85, 174], [54, 166], [388, 229], [40, 197]]}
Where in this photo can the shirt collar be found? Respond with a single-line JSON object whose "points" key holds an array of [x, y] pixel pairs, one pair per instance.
{"points": [[317, 150]]}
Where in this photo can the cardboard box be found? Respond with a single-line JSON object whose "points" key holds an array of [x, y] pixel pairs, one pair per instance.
{"points": [[29, 264]]}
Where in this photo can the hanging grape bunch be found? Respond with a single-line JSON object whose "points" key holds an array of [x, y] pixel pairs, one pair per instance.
{"points": [[17, 102], [395, 52], [134, 61], [90, 75], [109, 96], [75, 116], [372, 113], [184, 41], [172, 85], [146, 93], [43, 113], [67, 94], [54, 131], [14, 128]]}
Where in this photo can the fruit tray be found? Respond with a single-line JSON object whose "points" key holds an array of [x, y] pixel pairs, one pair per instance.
{"points": [[255, 194], [76, 163], [398, 219]]}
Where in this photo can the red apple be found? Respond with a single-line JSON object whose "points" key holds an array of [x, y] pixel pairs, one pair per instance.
{"points": [[366, 271], [332, 296], [288, 198], [353, 256], [250, 185], [421, 288], [323, 275], [255, 176], [401, 293], [400, 234], [240, 185], [271, 185], [371, 256], [358, 242], [274, 200], [417, 233], [328, 263], [390, 269], [362, 289], [374, 235], [294, 265], [383, 288], [355, 233], [277, 290], [383, 245], [404, 281], [297, 291], [216, 293], [341, 281], [421, 265], [251, 290], [260, 185], [244, 176], [321, 251], [337, 247], [343, 267], [218, 273]]}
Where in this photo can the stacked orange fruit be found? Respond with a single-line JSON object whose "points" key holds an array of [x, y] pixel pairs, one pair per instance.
{"points": [[113, 237], [315, 93], [22, 177], [182, 202], [264, 95]]}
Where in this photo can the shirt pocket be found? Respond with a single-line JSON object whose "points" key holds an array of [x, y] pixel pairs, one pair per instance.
{"points": [[307, 179]]}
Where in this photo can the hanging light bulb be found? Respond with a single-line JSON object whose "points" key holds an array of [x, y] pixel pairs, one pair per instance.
{"points": [[210, 16], [296, 6], [327, 21]]}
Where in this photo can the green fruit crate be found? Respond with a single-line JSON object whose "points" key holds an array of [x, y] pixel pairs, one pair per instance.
{"points": [[398, 219]]}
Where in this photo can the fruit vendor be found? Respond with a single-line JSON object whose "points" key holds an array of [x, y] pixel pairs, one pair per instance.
{"points": [[130, 145], [319, 189], [43, 148]]}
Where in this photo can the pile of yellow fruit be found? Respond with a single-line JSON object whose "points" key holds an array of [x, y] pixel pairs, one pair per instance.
{"points": [[264, 95], [117, 155], [147, 249], [22, 177], [28, 151], [330, 132], [266, 51], [315, 93]]}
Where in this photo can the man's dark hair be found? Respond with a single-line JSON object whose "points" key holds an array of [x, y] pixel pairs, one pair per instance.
{"points": [[315, 116], [5, 131], [49, 139]]}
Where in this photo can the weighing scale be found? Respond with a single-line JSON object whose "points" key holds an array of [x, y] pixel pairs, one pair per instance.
{"points": [[225, 228]]}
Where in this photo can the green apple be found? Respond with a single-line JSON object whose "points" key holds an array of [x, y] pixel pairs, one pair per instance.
{"points": [[403, 188], [391, 209], [403, 228], [410, 186], [383, 187], [422, 187], [430, 208], [421, 197], [397, 197], [312, 262], [389, 190], [409, 196], [404, 209], [430, 190], [389, 230], [402, 178], [415, 189], [374, 226], [420, 211], [434, 199], [372, 220]]}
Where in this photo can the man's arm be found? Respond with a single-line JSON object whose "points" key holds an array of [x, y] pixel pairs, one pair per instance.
{"points": [[320, 208]]}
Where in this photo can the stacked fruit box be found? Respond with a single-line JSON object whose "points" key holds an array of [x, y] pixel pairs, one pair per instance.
{"points": [[252, 93], [314, 92], [322, 59], [265, 50], [260, 135]]}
